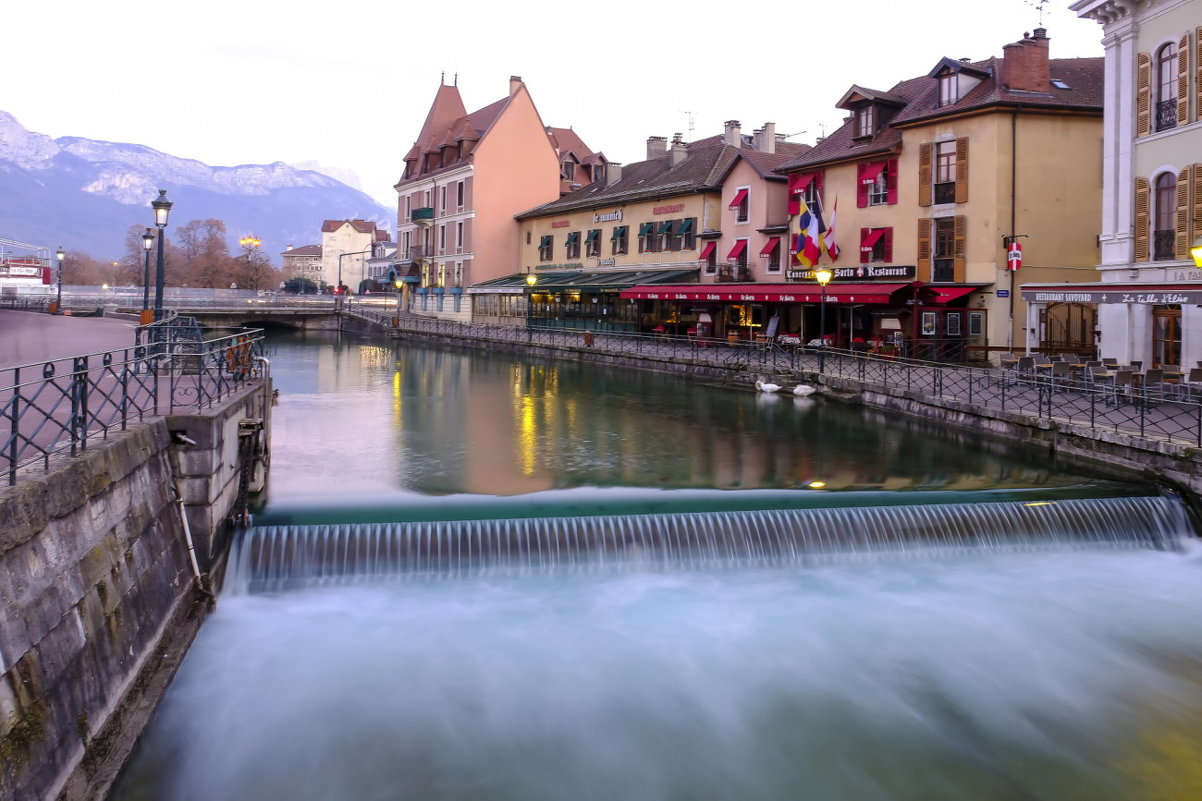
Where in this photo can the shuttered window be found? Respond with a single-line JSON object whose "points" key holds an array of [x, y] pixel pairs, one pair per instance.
{"points": [[1143, 192], [1181, 251], [1143, 94], [924, 249], [960, 257], [1183, 80], [925, 155], [962, 170]]}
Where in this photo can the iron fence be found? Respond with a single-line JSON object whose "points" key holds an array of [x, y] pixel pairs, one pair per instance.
{"points": [[60, 405], [1173, 415]]}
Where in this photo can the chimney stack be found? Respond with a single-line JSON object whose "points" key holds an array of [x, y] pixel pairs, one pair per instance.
{"points": [[734, 134], [1025, 64], [657, 147], [613, 173], [765, 138], [515, 81], [680, 150]]}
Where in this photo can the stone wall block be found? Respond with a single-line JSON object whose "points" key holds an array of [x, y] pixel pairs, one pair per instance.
{"points": [[25, 510]]}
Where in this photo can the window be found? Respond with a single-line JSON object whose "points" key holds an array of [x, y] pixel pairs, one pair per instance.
{"points": [[442, 239], [709, 257], [670, 231], [459, 190], [569, 170], [459, 237], [458, 273], [572, 245], [648, 241], [945, 250], [877, 183], [619, 243], [865, 120], [945, 172], [949, 89], [1166, 87], [599, 172], [442, 200], [1164, 236], [688, 234], [546, 247], [741, 204], [592, 243], [876, 245], [771, 252], [442, 275]]}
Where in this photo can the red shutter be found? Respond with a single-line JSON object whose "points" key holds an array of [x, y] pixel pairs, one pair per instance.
{"points": [[891, 178], [865, 257], [888, 244], [861, 187]]}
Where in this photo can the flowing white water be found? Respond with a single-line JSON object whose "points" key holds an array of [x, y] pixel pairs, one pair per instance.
{"points": [[969, 676]]}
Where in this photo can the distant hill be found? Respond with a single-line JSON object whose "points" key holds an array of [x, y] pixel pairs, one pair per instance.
{"points": [[84, 194]]}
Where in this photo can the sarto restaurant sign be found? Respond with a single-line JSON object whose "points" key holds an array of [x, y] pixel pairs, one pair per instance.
{"points": [[1142, 295]]}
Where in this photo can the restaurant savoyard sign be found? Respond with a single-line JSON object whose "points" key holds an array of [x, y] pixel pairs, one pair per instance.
{"points": [[1161, 298]]}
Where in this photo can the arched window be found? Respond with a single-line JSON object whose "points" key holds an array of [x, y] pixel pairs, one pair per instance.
{"points": [[1164, 221], [1166, 87]]}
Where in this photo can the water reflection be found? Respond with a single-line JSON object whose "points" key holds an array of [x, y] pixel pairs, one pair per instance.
{"points": [[424, 419]]}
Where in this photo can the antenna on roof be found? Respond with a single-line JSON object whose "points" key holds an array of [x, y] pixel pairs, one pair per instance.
{"points": [[442, 78], [790, 136], [1038, 5], [689, 115], [456, 79]]}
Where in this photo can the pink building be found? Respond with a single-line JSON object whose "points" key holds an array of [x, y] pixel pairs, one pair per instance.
{"points": [[465, 178]]}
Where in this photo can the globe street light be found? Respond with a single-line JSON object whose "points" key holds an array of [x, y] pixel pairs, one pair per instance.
{"points": [[162, 208], [61, 255], [531, 280], [147, 244], [823, 276]]}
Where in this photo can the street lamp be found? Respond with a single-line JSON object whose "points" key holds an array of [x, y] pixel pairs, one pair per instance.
{"points": [[61, 255], [341, 256], [823, 276], [147, 244], [531, 280], [1196, 252], [162, 208]]}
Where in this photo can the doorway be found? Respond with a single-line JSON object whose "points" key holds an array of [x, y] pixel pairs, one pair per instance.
{"points": [[1166, 335]]}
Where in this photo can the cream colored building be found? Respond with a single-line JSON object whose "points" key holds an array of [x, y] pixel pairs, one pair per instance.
{"points": [[346, 248]]}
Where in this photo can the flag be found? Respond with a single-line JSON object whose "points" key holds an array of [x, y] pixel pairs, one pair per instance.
{"points": [[828, 236], [808, 244]]}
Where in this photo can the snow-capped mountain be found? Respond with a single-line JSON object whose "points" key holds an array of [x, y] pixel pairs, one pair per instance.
{"points": [[84, 194]]}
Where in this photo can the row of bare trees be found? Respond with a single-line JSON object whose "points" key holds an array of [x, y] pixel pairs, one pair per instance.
{"points": [[198, 256]]}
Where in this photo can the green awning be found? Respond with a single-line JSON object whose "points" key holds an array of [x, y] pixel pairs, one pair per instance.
{"points": [[545, 242], [573, 238], [619, 232], [593, 235], [685, 227], [645, 229], [665, 227]]}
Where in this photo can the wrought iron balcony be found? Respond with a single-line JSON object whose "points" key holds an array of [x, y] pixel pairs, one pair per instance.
{"points": [[1166, 114], [422, 215], [419, 252], [1164, 245]]}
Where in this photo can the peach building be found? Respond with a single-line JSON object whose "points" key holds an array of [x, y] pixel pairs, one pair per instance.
{"points": [[465, 178]]}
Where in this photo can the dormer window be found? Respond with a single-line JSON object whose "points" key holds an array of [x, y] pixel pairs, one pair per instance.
{"points": [[949, 88], [865, 120], [569, 170]]}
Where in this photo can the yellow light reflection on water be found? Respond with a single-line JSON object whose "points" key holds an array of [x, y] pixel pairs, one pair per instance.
{"points": [[816, 484]]}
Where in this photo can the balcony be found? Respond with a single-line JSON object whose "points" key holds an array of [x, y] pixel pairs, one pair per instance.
{"points": [[419, 252], [731, 273], [422, 216], [1166, 114], [945, 192], [1164, 245]]}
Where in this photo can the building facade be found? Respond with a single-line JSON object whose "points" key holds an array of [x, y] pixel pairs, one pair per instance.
{"points": [[465, 178], [928, 184], [303, 263], [1148, 290], [346, 247]]}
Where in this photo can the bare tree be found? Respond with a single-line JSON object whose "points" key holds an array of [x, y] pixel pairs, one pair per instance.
{"points": [[205, 252]]}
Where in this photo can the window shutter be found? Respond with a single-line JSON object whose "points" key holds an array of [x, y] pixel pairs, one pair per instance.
{"points": [[891, 177], [924, 249], [962, 170], [888, 237], [1183, 210], [1197, 215], [861, 188], [865, 255], [818, 190], [1143, 94], [924, 174], [1142, 198], [1198, 73], [960, 261], [1183, 80]]}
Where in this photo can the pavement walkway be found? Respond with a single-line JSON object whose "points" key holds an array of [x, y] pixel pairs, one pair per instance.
{"points": [[33, 337]]}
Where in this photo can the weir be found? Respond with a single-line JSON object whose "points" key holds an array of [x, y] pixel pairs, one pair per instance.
{"points": [[274, 557]]}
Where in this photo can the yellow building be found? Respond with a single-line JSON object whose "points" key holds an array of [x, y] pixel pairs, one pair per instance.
{"points": [[935, 179]]}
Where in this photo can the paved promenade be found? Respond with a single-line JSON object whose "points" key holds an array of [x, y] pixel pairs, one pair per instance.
{"points": [[31, 337]]}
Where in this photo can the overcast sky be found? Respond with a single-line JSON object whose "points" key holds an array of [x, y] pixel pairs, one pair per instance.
{"points": [[348, 85]]}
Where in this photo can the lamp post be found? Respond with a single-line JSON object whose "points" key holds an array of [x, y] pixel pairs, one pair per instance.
{"points": [[162, 208], [61, 255], [531, 280], [341, 256], [1196, 252], [823, 276], [147, 244]]}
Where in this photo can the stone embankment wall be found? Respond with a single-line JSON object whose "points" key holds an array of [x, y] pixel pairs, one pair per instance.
{"points": [[98, 597]]}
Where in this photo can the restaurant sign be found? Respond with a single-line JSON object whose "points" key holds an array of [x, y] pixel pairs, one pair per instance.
{"points": [[1164, 296], [861, 272]]}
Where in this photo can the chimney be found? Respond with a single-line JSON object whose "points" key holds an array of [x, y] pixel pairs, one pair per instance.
{"points": [[657, 147], [680, 150], [613, 173], [734, 134], [1025, 64], [515, 81], [765, 138]]}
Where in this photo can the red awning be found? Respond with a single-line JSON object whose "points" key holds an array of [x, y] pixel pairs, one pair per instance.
{"points": [[772, 245], [870, 239], [872, 172], [799, 183], [771, 293], [707, 250], [737, 249], [946, 294], [740, 196]]}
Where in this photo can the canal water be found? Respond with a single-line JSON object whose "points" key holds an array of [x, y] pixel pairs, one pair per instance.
{"points": [[1007, 668]]}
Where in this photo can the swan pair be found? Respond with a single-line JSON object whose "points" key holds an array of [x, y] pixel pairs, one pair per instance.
{"points": [[801, 390]]}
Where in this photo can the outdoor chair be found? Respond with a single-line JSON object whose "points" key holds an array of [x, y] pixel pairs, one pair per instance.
{"points": [[1153, 390], [1119, 389], [1097, 378], [1192, 388], [1061, 374]]}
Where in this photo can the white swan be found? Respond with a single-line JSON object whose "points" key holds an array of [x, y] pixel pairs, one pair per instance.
{"points": [[763, 387], [801, 390]]}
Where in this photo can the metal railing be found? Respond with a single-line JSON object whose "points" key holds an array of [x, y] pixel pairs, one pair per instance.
{"points": [[59, 406], [1169, 413]]}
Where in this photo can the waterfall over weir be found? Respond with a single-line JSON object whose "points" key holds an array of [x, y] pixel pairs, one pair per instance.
{"points": [[276, 557]]}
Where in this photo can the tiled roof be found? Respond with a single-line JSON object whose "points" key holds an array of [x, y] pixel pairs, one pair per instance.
{"points": [[362, 226], [304, 250], [1082, 76]]}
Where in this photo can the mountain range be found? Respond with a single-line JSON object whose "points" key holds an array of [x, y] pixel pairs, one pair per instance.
{"points": [[84, 194]]}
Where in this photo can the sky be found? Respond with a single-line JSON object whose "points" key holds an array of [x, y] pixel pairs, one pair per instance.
{"points": [[348, 87]]}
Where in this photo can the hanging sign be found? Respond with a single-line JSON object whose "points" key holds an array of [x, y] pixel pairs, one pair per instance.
{"points": [[1014, 256]]}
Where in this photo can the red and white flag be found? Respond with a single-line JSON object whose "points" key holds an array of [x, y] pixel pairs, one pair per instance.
{"points": [[828, 236]]}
